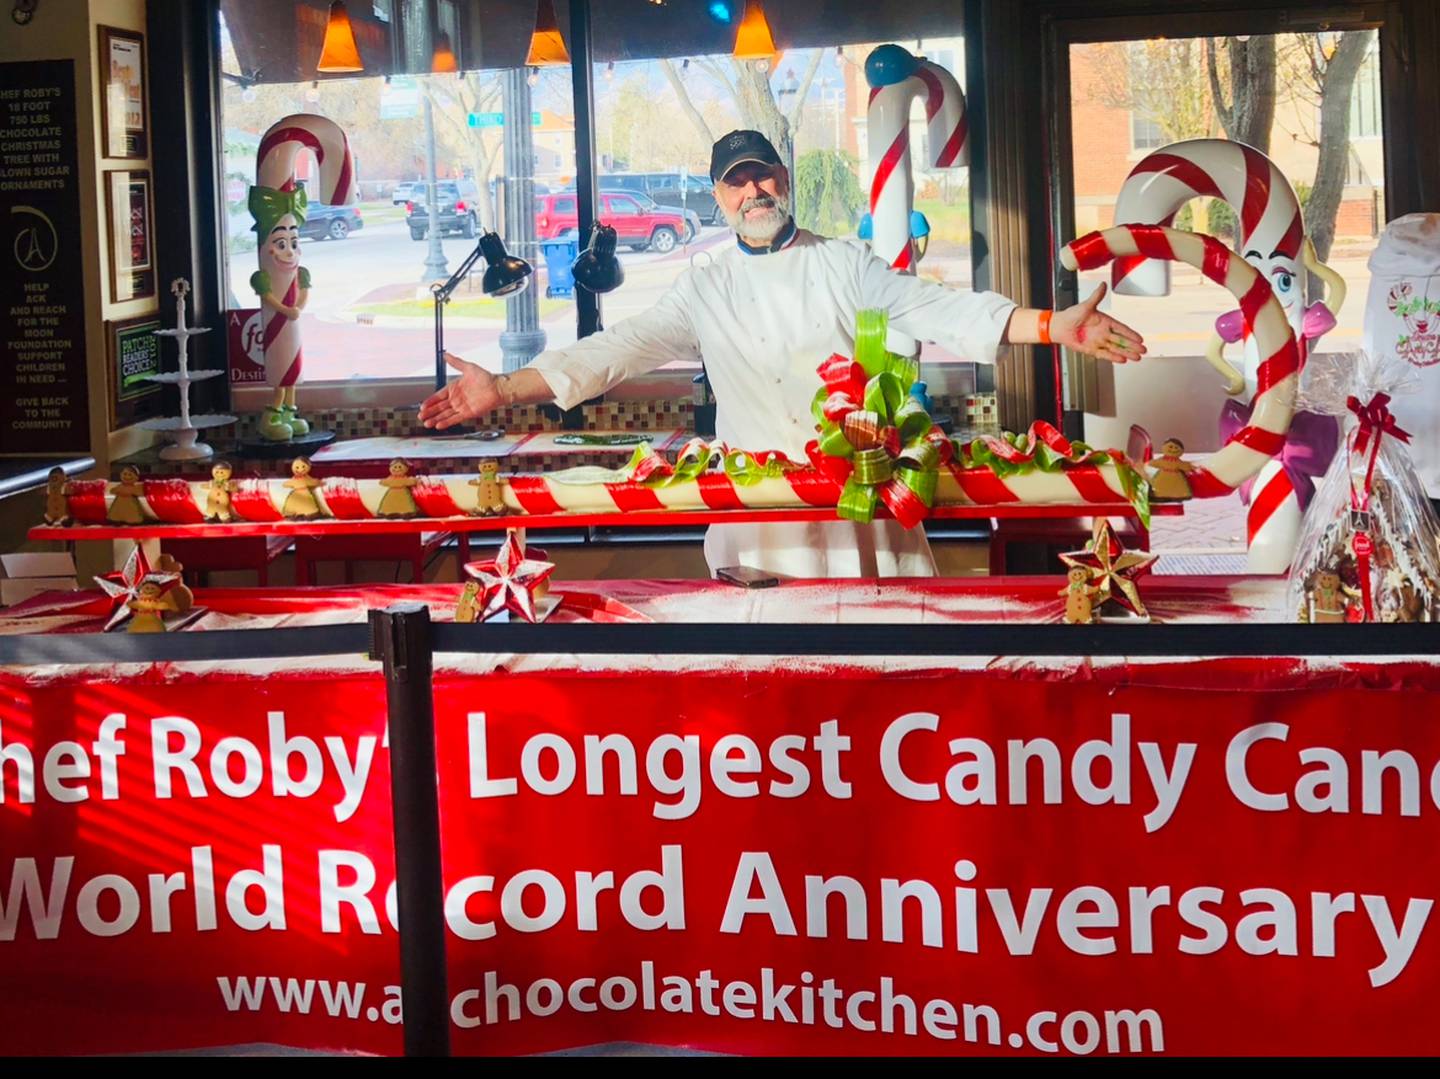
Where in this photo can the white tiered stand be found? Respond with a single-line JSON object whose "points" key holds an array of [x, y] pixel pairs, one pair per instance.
{"points": [[185, 429]]}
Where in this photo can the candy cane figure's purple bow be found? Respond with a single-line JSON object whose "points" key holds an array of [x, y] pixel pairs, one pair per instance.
{"points": [[1309, 448]]}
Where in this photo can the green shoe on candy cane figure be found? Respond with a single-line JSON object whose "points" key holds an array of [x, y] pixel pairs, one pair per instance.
{"points": [[273, 427], [298, 426]]}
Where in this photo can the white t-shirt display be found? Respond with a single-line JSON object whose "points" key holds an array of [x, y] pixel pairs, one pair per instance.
{"points": [[763, 323], [1402, 322]]}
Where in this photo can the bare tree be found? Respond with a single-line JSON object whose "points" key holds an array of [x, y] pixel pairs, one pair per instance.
{"points": [[474, 92], [1162, 80], [1332, 65], [1249, 74], [747, 82]]}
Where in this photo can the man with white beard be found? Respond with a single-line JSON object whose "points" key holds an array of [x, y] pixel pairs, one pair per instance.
{"points": [[762, 316]]}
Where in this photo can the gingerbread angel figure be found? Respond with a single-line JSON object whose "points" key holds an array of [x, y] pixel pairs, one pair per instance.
{"points": [[300, 503], [1167, 479]]}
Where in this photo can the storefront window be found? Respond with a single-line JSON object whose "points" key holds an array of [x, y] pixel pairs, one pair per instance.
{"points": [[370, 312], [666, 86], [1219, 88], [657, 116]]}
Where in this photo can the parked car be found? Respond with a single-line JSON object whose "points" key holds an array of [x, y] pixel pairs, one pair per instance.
{"points": [[638, 222], [455, 209], [404, 191], [692, 219], [670, 190], [324, 222]]}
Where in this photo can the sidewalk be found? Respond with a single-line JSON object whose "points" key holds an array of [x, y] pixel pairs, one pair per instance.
{"points": [[1209, 538]]}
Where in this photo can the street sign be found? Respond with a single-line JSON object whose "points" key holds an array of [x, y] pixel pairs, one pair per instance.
{"points": [[495, 119], [400, 100]]}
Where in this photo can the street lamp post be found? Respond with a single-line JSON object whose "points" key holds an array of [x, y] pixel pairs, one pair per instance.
{"points": [[523, 338], [436, 268]]}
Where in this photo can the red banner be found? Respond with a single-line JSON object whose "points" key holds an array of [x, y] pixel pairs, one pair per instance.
{"points": [[817, 861]]}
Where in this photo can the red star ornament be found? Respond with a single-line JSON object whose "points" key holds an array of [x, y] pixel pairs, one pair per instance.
{"points": [[123, 584], [510, 582], [1112, 567]]}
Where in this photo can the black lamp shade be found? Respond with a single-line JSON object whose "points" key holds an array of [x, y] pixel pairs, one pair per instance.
{"points": [[505, 274], [597, 268]]}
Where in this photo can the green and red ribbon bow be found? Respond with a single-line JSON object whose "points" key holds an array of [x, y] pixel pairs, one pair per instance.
{"points": [[876, 440], [1044, 448], [696, 456]]}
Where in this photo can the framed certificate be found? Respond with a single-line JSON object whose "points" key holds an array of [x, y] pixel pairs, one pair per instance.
{"points": [[131, 215], [134, 353], [122, 93]]}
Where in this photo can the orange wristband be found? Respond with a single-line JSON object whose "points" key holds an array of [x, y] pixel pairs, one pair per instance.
{"points": [[1045, 327]]}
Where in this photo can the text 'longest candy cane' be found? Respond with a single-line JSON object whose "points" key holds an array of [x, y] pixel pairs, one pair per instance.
{"points": [[1264, 319]]}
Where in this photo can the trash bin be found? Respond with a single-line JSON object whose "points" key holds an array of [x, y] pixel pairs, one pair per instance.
{"points": [[559, 256]]}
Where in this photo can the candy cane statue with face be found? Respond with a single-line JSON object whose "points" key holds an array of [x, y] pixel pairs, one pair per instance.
{"points": [[278, 204], [896, 79], [1262, 320], [1271, 237]]}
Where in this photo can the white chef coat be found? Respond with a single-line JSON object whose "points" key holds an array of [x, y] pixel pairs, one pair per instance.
{"points": [[1408, 258], [763, 322]]}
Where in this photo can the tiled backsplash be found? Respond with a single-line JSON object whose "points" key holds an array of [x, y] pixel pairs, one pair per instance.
{"points": [[967, 413], [655, 415]]}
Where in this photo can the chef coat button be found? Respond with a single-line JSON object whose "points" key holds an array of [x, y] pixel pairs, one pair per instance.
{"points": [[777, 382]]}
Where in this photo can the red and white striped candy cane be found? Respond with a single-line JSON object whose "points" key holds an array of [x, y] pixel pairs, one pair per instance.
{"points": [[1271, 234], [1274, 403], [887, 125], [178, 501], [1264, 203], [275, 171], [322, 136]]}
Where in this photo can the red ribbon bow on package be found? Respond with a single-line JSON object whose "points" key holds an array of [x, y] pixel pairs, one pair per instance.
{"points": [[1375, 418]]}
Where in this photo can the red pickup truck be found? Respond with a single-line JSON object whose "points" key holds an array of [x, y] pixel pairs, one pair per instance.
{"points": [[638, 225]]}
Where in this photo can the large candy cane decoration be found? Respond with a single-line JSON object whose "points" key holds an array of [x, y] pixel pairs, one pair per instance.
{"points": [[276, 204], [1271, 234], [896, 79], [1263, 319]]}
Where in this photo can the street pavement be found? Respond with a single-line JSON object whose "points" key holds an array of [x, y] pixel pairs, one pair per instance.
{"points": [[337, 346]]}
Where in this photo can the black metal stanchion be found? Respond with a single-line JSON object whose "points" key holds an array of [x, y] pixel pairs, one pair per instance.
{"points": [[400, 639]]}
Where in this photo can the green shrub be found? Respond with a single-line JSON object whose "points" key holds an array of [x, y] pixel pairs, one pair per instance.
{"points": [[828, 197]]}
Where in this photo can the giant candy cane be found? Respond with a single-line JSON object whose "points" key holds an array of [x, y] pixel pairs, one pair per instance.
{"points": [[1271, 233], [277, 204], [1263, 318], [896, 79], [178, 501]]}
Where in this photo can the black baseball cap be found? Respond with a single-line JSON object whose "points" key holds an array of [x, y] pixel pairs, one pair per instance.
{"points": [[737, 148]]}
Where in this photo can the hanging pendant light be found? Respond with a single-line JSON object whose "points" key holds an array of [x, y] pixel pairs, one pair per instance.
{"points": [[547, 47], [443, 61], [339, 54], [597, 267], [753, 41]]}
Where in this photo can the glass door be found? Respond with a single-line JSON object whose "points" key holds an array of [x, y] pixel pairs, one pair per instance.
{"points": [[1310, 103]]}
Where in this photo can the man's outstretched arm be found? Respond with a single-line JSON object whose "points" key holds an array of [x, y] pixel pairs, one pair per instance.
{"points": [[477, 392], [571, 374]]}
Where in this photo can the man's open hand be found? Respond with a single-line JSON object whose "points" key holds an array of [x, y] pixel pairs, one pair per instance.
{"points": [[1087, 330], [473, 394]]}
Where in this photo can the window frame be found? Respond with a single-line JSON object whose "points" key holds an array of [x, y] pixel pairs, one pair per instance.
{"points": [[401, 392]]}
